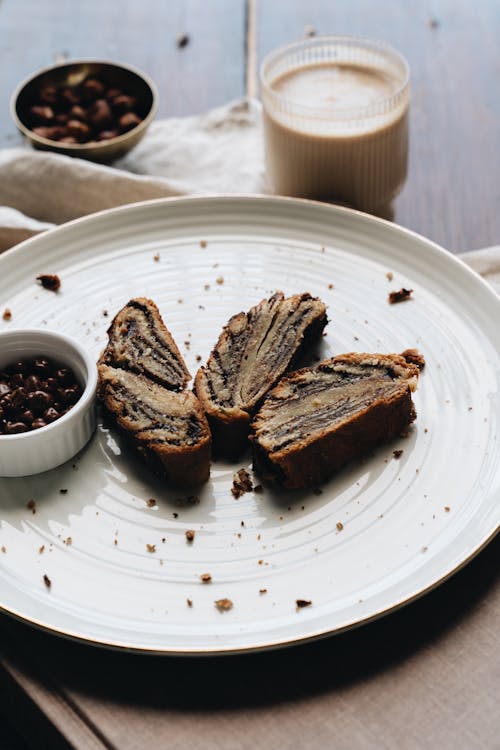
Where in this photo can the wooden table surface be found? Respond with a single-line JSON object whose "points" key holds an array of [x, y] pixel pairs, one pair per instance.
{"points": [[58, 694]]}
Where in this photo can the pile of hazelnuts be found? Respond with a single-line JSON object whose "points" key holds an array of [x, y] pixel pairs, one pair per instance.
{"points": [[91, 111], [34, 393]]}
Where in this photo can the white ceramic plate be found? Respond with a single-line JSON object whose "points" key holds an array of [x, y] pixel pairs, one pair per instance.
{"points": [[408, 523]]}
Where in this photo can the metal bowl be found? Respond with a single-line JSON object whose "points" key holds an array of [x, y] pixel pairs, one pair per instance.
{"points": [[71, 74]]}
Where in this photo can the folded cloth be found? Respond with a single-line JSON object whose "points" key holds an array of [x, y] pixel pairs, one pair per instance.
{"points": [[216, 152]]}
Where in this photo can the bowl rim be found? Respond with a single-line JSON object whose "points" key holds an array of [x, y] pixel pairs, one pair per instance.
{"points": [[81, 147], [89, 391]]}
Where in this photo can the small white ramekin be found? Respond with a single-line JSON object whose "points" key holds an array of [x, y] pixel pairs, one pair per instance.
{"points": [[39, 450]]}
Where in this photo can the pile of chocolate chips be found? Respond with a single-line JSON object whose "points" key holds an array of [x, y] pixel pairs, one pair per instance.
{"points": [[89, 112], [34, 393]]}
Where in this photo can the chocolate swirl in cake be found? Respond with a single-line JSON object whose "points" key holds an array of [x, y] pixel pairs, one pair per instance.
{"points": [[318, 419], [142, 377], [167, 428], [254, 350], [140, 342]]}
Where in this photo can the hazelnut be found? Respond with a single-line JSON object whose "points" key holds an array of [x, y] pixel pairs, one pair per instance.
{"points": [[113, 93], [78, 129], [42, 113], [128, 121], [48, 95], [77, 112], [92, 89], [53, 133], [123, 103], [62, 118], [100, 114], [69, 97], [106, 135], [68, 139]]}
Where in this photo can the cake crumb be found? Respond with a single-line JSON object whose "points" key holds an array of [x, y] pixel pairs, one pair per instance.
{"points": [[68, 541], [7, 314], [190, 535], [3, 548], [206, 578], [47, 580], [389, 276], [262, 591], [241, 483], [189, 602], [31, 505], [223, 605], [414, 357], [301, 603], [447, 508], [398, 453], [50, 281], [219, 280], [151, 502], [63, 491], [151, 548], [156, 257], [309, 30], [400, 296], [330, 286], [198, 357], [259, 489], [41, 549], [105, 313], [339, 525], [182, 40], [203, 243]]}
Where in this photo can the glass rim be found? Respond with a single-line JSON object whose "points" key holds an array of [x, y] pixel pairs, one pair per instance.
{"points": [[377, 107]]}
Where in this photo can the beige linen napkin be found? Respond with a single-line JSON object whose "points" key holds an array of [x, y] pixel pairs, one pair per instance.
{"points": [[216, 152]]}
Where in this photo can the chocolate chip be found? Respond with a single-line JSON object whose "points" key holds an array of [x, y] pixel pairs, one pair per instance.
{"points": [[50, 414], [38, 401], [32, 383], [12, 428], [37, 423], [34, 393]]}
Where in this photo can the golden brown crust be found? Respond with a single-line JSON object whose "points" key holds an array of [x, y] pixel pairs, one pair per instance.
{"points": [[313, 452], [253, 351], [186, 464], [142, 377]]}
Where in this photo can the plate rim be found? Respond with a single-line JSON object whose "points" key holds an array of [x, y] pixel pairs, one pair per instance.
{"points": [[276, 642]]}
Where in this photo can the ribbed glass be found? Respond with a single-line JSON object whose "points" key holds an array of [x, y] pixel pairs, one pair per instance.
{"points": [[357, 155]]}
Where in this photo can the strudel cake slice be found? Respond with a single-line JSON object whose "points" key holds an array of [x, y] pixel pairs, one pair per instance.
{"points": [[142, 379], [167, 428], [253, 352], [318, 419]]}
